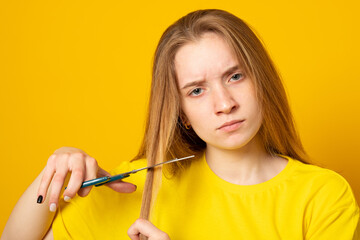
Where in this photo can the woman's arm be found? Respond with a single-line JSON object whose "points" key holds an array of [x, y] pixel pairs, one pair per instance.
{"points": [[66, 167], [29, 220]]}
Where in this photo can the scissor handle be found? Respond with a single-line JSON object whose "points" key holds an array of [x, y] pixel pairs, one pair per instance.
{"points": [[111, 179]]}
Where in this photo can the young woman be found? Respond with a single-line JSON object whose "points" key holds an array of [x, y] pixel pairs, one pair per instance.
{"points": [[215, 94]]}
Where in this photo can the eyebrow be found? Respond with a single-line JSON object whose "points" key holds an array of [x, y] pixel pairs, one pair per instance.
{"points": [[195, 83]]}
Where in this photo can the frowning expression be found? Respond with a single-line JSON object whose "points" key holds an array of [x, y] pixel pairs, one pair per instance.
{"points": [[218, 98]]}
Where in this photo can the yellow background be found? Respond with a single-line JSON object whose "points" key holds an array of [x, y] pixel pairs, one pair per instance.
{"points": [[77, 73]]}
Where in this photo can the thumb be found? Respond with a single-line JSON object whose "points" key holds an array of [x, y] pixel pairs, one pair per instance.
{"points": [[118, 186]]}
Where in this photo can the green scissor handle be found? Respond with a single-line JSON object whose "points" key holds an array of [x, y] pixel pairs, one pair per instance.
{"points": [[111, 179]]}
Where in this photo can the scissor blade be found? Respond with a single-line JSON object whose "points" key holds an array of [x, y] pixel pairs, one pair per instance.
{"points": [[140, 169]]}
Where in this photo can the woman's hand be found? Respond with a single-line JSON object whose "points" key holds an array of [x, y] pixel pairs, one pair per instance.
{"points": [[146, 228], [80, 167]]}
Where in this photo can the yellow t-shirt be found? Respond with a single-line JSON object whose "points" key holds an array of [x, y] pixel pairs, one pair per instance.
{"points": [[301, 202]]}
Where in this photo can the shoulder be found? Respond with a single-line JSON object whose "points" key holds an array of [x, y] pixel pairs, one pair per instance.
{"points": [[319, 176], [330, 206], [324, 187]]}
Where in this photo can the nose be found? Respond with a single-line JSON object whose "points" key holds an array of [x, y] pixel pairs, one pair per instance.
{"points": [[224, 101]]}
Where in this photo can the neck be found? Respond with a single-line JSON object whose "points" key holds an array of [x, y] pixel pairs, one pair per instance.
{"points": [[248, 165]]}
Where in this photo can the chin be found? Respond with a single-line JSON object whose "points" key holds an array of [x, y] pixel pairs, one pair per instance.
{"points": [[236, 143], [232, 145]]}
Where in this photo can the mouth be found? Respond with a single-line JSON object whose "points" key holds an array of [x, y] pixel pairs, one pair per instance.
{"points": [[231, 126]]}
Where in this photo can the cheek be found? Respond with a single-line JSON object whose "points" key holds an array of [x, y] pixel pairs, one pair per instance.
{"points": [[190, 114], [250, 101], [256, 115], [195, 113]]}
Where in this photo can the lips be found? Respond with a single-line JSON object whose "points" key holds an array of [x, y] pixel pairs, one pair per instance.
{"points": [[231, 125]]}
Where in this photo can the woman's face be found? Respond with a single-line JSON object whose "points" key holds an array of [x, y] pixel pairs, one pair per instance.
{"points": [[218, 98]]}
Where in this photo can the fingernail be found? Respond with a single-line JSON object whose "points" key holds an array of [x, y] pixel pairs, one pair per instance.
{"points": [[39, 199], [52, 207], [67, 198]]}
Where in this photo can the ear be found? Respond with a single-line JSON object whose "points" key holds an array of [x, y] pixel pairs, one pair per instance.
{"points": [[185, 121]]}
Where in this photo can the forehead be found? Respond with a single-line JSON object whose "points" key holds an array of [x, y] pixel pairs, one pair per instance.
{"points": [[204, 58]]}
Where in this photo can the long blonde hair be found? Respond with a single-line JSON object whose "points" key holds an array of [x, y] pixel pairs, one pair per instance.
{"points": [[165, 135]]}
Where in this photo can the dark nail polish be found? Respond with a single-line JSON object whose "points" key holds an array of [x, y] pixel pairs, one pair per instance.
{"points": [[39, 199]]}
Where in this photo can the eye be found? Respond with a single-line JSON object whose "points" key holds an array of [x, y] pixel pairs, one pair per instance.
{"points": [[237, 77], [196, 92]]}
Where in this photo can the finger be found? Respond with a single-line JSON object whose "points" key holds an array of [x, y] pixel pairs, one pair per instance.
{"points": [[76, 164], [144, 227], [46, 178], [134, 231], [118, 186], [58, 180], [102, 173], [122, 187], [91, 171]]}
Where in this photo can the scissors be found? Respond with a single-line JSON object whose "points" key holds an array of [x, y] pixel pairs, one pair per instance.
{"points": [[103, 180]]}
